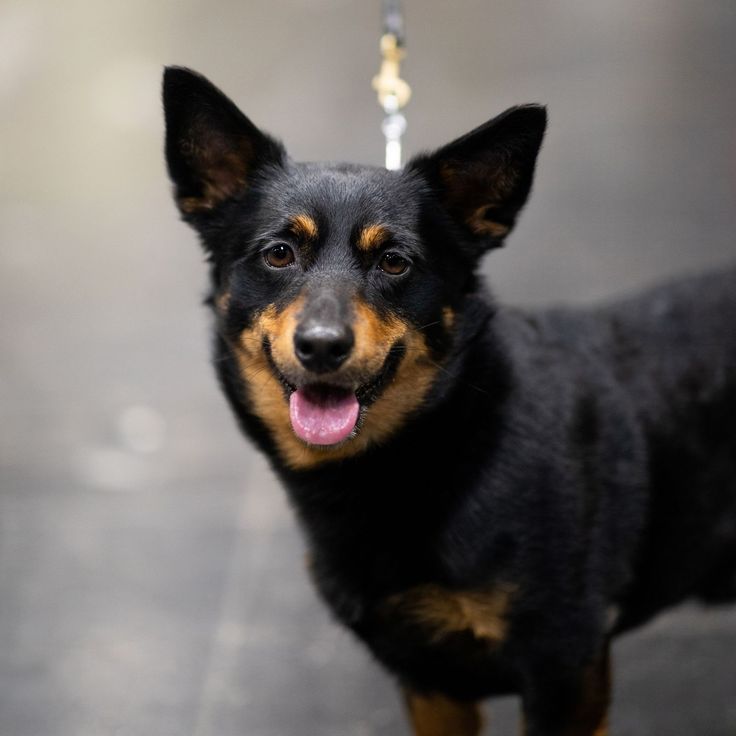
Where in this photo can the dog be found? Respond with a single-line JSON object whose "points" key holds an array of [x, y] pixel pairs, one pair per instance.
{"points": [[488, 495]]}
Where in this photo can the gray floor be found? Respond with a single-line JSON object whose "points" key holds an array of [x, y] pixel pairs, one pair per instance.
{"points": [[150, 573]]}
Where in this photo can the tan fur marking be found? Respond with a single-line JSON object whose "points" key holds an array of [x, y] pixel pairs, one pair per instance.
{"points": [[413, 379], [264, 391], [442, 612], [280, 328], [222, 301], [372, 237], [448, 318], [374, 336], [304, 227], [190, 205], [437, 715]]}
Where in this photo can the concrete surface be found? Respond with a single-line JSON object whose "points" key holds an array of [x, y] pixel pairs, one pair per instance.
{"points": [[151, 576]]}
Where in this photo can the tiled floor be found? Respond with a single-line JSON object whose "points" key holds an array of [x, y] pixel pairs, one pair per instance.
{"points": [[151, 576]]}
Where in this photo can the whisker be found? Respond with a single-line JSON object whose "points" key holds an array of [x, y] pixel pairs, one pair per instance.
{"points": [[266, 375], [429, 324], [455, 378]]}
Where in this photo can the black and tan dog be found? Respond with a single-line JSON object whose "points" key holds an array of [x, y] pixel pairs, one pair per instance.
{"points": [[488, 495]]}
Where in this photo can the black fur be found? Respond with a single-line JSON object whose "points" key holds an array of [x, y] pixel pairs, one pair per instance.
{"points": [[586, 457]]}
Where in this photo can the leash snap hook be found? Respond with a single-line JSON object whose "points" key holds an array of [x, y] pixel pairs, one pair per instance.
{"points": [[393, 93]]}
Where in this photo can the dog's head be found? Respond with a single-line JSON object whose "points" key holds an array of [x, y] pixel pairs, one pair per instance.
{"points": [[338, 289]]}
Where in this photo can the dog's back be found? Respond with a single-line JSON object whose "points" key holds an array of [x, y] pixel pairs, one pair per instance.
{"points": [[667, 360], [643, 391], [675, 350]]}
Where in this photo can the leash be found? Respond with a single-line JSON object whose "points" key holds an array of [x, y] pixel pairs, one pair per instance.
{"points": [[393, 91]]}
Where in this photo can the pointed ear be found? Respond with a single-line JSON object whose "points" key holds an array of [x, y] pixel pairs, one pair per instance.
{"points": [[484, 178], [212, 149]]}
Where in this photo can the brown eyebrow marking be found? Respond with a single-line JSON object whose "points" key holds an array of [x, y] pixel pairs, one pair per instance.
{"points": [[304, 227], [372, 237]]}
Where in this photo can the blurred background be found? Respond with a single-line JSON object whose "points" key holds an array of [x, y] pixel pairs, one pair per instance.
{"points": [[151, 576]]}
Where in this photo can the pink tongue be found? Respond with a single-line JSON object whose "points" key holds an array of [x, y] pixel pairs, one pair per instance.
{"points": [[323, 419]]}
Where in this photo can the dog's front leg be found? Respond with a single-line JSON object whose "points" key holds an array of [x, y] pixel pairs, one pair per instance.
{"points": [[571, 705], [437, 715]]}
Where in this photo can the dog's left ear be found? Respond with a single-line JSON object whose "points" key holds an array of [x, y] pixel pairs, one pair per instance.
{"points": [[484, 178]]}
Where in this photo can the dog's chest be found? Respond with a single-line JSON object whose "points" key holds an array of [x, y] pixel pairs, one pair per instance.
{"points": [[429, 613], [439, 638], [437, 614]]}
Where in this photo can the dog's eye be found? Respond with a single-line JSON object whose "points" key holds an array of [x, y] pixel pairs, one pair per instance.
{"points": [[394, 264], [279, 256]]}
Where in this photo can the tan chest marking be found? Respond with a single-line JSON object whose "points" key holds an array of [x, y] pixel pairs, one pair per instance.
{"points": [[442, 612]]}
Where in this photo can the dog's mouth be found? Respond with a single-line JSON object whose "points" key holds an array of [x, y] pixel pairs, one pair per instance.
{"points": [[323, 415], [329, 412]]}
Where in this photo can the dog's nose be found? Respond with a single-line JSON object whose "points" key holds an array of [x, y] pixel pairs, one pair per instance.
{"points": [[323, 347]]}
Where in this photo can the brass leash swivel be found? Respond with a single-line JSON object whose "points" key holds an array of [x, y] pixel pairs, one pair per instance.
{"points": [[393, 91]]}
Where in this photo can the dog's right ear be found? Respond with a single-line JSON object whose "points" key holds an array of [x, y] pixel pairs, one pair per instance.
{"points": [[212, 149]]}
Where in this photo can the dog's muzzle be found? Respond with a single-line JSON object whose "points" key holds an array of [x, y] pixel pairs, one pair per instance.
{"points": [[322, 413]]}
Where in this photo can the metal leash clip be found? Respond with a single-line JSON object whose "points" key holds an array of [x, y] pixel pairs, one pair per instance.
{"points": [[393, 92]]}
